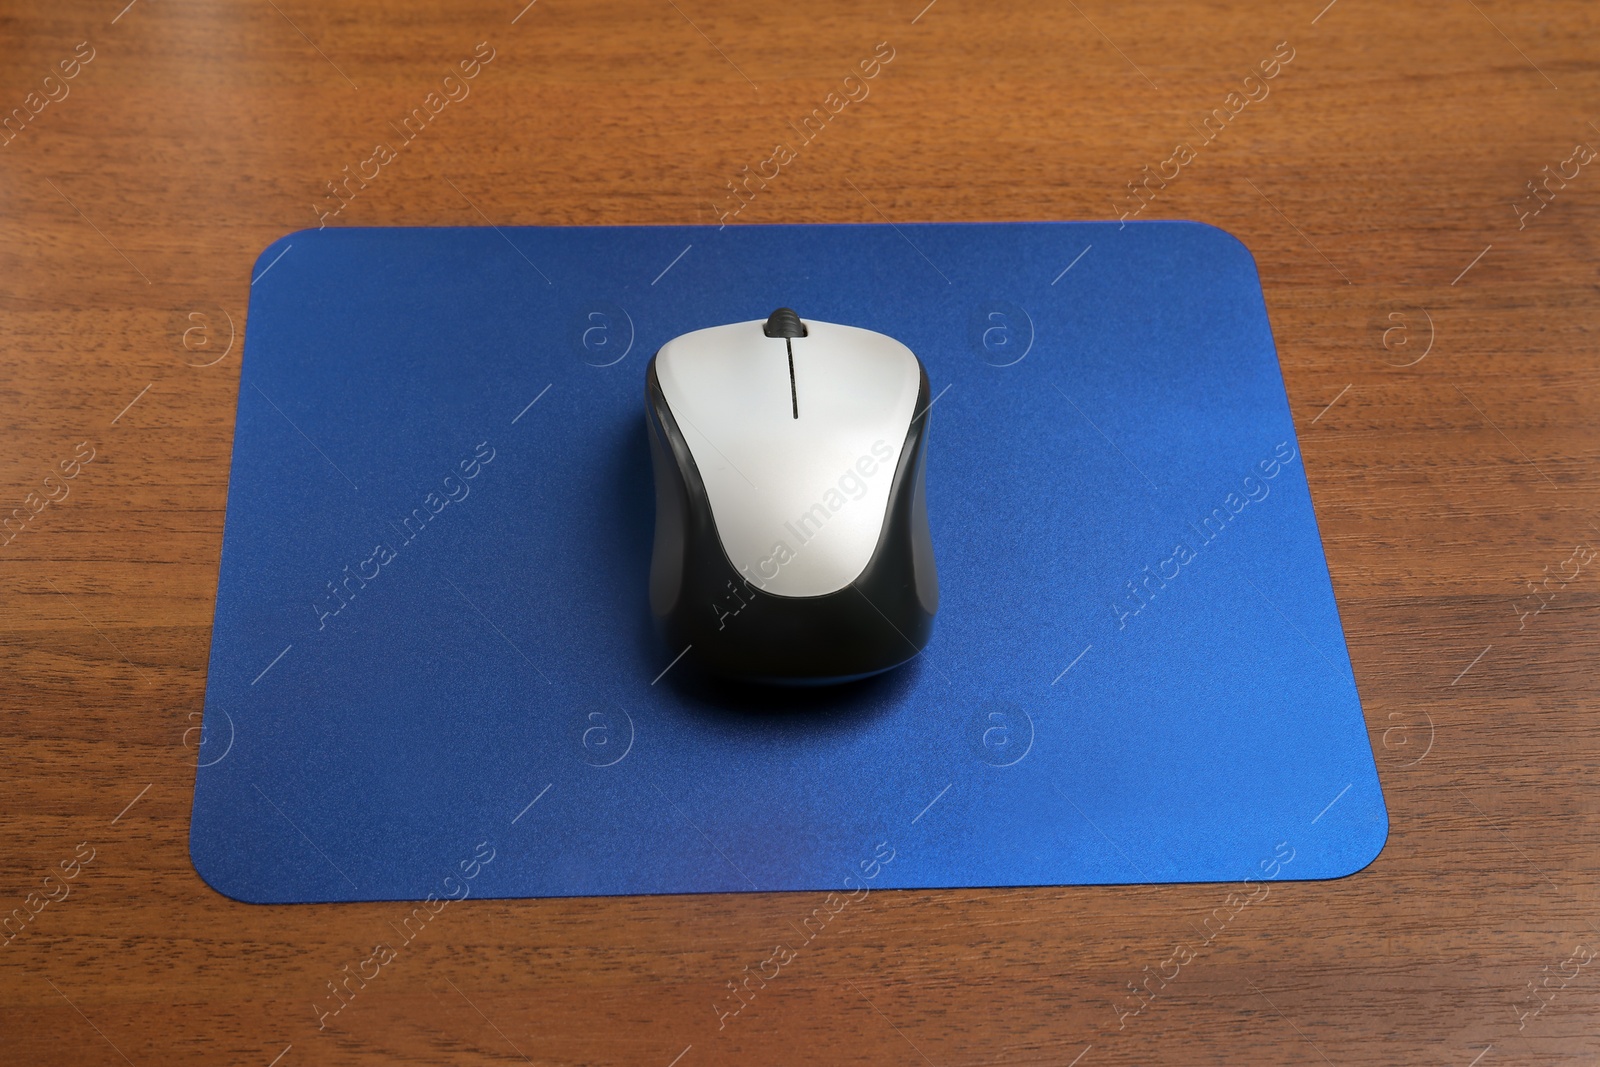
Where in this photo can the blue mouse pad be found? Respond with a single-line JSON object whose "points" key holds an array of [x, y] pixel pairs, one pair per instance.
{"points": [[433, 670]]}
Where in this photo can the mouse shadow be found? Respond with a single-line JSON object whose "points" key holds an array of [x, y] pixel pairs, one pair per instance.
{"points": [[793, 712], [745, 708]]}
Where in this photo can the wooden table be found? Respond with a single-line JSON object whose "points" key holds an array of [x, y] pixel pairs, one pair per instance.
{"points": [[1438, 339]]}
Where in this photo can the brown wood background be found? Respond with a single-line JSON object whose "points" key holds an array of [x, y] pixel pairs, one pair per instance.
{"points": [[1384, 164]]}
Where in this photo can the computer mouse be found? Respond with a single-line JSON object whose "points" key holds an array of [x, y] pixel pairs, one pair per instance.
{"points": [[792, 543]]}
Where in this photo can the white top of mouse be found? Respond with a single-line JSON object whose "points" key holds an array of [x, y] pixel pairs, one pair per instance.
{"points": [[796, 430]]}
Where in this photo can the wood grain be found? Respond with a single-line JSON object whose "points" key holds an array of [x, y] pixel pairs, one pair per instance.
{"points": [[1387, 157]]}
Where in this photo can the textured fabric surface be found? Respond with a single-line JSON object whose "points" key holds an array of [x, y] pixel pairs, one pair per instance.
{"points": [[432, 639]]}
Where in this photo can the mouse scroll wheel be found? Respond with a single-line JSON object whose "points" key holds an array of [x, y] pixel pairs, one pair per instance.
{"points": [[784, 323]]}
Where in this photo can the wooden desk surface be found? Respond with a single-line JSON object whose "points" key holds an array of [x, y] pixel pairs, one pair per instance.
{"points": [[1438, 339]]}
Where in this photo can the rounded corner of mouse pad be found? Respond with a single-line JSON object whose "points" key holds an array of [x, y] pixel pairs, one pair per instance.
{"points": [[432, 672]]}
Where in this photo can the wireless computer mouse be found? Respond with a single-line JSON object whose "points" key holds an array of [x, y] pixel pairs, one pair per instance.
{"points": [[791, 542]]}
